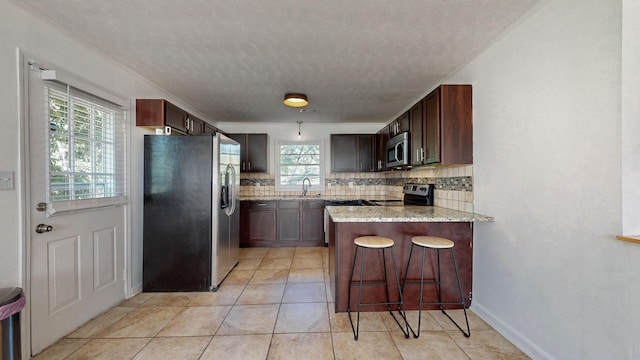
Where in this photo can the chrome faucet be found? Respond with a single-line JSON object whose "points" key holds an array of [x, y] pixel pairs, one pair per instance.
{"points": [[305, 188]]}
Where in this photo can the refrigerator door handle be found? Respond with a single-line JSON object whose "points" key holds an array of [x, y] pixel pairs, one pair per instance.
{"points": [[224, 197], [231, 191]]}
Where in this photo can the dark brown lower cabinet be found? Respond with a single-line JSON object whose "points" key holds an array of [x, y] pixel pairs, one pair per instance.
{"points": [[259, 220], [281, 223], [341, 251], [312, 231], [288, 222]]}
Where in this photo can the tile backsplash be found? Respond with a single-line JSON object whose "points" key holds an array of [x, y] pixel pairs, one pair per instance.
{"points": [[453, 185]]}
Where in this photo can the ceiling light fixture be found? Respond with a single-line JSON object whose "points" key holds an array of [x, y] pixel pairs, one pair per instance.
{"points": [[299, 122], [296, 100]]}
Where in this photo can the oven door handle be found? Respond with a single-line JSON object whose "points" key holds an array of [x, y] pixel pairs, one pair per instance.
{"points": [[395, 153]]}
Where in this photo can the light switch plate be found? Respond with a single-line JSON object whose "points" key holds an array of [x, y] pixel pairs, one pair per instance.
{"points": [[6, 180]]}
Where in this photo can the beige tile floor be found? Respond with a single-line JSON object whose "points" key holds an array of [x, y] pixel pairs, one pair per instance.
{"points": [[275, 304]]}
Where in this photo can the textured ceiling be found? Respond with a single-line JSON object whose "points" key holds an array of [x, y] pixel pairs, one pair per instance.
{"points": [[358, 61]]}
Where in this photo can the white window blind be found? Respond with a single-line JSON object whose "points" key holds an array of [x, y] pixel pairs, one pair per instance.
{"points": [[87, 150]]}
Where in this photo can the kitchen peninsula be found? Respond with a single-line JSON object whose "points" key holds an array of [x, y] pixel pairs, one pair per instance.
{"points": [[400, 223]]}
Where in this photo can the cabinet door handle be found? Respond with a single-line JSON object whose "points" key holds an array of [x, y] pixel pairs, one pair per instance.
{"points": [[262, 204], [422, 154], [243, 168], [249, 162]]}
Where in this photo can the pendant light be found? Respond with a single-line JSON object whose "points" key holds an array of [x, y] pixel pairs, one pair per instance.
{"points": [[296, 100], [299, 122]]}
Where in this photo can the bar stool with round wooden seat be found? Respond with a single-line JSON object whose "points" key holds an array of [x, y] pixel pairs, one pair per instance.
{"points": [[437, 244], [375, 243]]}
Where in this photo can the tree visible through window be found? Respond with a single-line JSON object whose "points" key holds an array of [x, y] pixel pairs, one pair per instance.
{"points": [[299, 161], [86, 144]]}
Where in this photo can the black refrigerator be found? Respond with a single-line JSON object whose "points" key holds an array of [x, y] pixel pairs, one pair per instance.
{"points": [[191, 212]]}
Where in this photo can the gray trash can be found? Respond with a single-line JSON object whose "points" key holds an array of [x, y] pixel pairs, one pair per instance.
{"points": [[12, 301]]}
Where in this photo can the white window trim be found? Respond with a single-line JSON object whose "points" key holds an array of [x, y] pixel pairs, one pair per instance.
{"points": [[70, 206], [315, 188]]}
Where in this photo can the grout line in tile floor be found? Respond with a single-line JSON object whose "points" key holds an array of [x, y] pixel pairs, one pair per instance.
{"points": [[253, 316]]}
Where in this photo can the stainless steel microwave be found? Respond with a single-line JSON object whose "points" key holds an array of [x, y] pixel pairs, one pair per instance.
{"points": [[398, 150]]}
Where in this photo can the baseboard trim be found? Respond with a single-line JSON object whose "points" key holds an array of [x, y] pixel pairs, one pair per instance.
{"points": [[136, 290], [518, 339]]}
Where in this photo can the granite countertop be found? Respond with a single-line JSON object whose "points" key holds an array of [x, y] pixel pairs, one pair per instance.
{"points": [[405, 213], [316, 197]]}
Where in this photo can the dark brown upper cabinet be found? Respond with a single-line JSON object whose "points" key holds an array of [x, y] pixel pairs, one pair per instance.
{"points": [[442, 127], [253, 152], [353, 152], [417, 120], [209, 129], [196, 126], [159, 114], [399, 125], [448, 125], [382, 137]]}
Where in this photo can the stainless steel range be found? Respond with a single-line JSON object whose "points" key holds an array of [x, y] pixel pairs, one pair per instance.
{"points": [[418, 194]]}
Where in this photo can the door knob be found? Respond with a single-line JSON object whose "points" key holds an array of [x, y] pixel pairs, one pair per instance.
{"points": [[41, 206], [42, 228]]}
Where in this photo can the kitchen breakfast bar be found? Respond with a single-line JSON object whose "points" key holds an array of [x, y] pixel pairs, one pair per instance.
{"points": [[400, 223]]}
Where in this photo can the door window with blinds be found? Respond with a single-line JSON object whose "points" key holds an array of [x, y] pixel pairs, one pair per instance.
{"points": [[87, 147]]}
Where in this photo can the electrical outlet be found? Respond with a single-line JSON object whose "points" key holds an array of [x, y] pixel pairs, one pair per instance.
{"points": [[328, 185], [257, 184], [350, 184]]}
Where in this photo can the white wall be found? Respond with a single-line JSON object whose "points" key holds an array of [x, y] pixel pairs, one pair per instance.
{"points": [[630, 117], [549, 273]]}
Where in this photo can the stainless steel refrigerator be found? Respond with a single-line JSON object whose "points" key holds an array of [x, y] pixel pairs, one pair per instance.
{"points": [[191, 212]]}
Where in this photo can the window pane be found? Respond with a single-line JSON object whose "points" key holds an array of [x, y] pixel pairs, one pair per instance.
{"points": [[82, 187], [82, 152], [300, 170], [300, 149], [59, 153], [60, 187], [86, 148], [299, 161]]}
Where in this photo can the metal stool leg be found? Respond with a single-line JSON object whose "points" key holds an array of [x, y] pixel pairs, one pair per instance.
{"points": [[466, 319], [356, 329], [440, 302], [404, 281], [401, 311], [437, 282]]}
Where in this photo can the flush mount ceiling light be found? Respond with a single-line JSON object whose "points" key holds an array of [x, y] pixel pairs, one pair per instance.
{"points": [[296, 100]]}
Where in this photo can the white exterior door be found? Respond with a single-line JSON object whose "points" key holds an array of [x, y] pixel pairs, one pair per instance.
{"points": [[77, 268]]}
